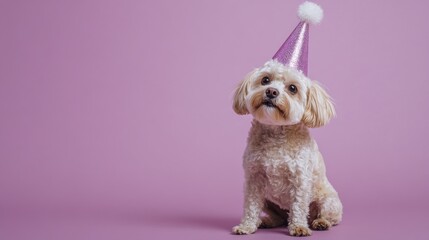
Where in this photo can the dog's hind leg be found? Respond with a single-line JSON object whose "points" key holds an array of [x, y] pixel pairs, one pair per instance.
{"points": [[275, 216]]}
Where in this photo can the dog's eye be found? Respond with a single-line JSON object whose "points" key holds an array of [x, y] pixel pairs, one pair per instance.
{"points": [[293, 89], [265, 81]]}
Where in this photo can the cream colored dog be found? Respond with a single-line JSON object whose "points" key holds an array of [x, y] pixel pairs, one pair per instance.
{"points": [[284, 170]]}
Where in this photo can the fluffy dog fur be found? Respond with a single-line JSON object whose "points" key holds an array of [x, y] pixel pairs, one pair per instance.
{"points": [[284, 170]]}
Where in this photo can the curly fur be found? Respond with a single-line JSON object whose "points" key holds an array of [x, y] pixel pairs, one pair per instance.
{"points": [[284, 170]]}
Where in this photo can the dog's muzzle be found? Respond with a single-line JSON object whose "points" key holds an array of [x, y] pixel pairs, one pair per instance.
{"points": [[268, 103]]}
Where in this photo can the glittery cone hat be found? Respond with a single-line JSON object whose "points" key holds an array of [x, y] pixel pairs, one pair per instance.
{"points": [[294, 51]]}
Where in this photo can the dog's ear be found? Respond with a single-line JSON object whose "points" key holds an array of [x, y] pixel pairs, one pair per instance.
{"points": [[239, 104], [319, 109]]}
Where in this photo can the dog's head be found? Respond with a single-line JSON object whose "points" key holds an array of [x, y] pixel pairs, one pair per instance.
{"points": [[278, 95]]}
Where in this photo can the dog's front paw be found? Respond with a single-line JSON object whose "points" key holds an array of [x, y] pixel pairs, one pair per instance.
{"points": [[320, 224], [299, 231], [244, 229]]}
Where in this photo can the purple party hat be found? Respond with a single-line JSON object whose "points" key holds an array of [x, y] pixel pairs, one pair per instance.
{"points": [[294, 51]]}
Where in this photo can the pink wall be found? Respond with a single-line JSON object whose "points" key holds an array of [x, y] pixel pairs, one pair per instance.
{"points": [[128, 103]]}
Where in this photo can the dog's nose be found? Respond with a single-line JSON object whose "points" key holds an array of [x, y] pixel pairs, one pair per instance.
{"points": [[271, 92]]}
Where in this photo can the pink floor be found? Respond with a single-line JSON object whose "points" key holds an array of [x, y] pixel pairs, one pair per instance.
{"points": [[81, 223]]}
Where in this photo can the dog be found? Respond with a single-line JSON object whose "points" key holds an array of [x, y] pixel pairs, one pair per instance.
{"points": [[284, 171]]}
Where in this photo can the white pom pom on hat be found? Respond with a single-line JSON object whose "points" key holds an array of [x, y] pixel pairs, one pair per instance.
{"points": [[310, 12]]}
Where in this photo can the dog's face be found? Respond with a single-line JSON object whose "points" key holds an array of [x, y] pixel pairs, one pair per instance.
{"points": [[278, 95]]}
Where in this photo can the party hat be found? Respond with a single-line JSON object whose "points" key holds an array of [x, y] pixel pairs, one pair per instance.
{"points": [[294, 51]]}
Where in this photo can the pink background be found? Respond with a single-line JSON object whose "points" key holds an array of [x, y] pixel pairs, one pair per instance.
{"points": [[116, 119]]}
